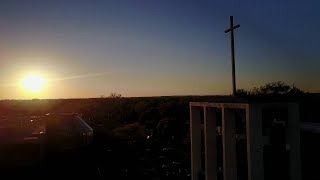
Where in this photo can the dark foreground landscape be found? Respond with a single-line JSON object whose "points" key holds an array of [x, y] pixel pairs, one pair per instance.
{"points": [[140, 138]]}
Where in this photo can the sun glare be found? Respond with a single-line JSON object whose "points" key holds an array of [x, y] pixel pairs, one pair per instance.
{"points": [[33, 83]]}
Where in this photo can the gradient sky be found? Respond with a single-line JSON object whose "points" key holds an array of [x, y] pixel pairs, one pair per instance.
{"points": [[151, 48]]}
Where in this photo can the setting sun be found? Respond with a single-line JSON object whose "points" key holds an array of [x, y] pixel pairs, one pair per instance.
{"points": [[33, 83]]}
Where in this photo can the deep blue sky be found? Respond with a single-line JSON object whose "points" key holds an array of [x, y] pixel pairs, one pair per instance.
{"points": [[151, 48]]}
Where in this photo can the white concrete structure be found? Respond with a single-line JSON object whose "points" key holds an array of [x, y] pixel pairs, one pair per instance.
{"points": [[256, 137]]}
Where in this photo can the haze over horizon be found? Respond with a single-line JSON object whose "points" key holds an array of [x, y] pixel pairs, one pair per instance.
{"points": [[155, 48]]}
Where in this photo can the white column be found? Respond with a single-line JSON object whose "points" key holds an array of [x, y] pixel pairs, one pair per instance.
{"points": [[195, 135], [210, 143], [229, 144], [293, 139]]}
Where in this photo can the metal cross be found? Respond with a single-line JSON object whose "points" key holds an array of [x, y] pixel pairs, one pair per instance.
{"points": [[232, 27]]}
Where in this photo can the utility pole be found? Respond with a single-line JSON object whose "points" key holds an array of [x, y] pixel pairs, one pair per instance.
{"points": [[232, 27]]}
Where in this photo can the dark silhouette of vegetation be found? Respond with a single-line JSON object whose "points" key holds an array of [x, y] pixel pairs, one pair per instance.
{"points": [[278, 88]]}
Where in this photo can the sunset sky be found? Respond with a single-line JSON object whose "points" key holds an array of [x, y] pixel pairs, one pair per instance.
{"points": [[155, 47]]}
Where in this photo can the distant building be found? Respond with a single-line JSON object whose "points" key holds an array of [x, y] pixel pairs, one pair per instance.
{"points": [[67, 131], [25, 140]]}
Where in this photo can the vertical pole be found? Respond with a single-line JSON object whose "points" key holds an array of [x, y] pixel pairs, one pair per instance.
{"points": [[255, 142], [293, 139], [232, 58], [210, 118], [195, 134]]}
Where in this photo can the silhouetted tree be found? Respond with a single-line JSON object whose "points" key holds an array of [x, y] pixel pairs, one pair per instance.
{"points": [[243, 92], [273, 88], [114, 95]]}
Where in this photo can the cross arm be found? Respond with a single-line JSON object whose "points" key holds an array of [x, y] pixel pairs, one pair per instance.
{"points": [[232, 28]]}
